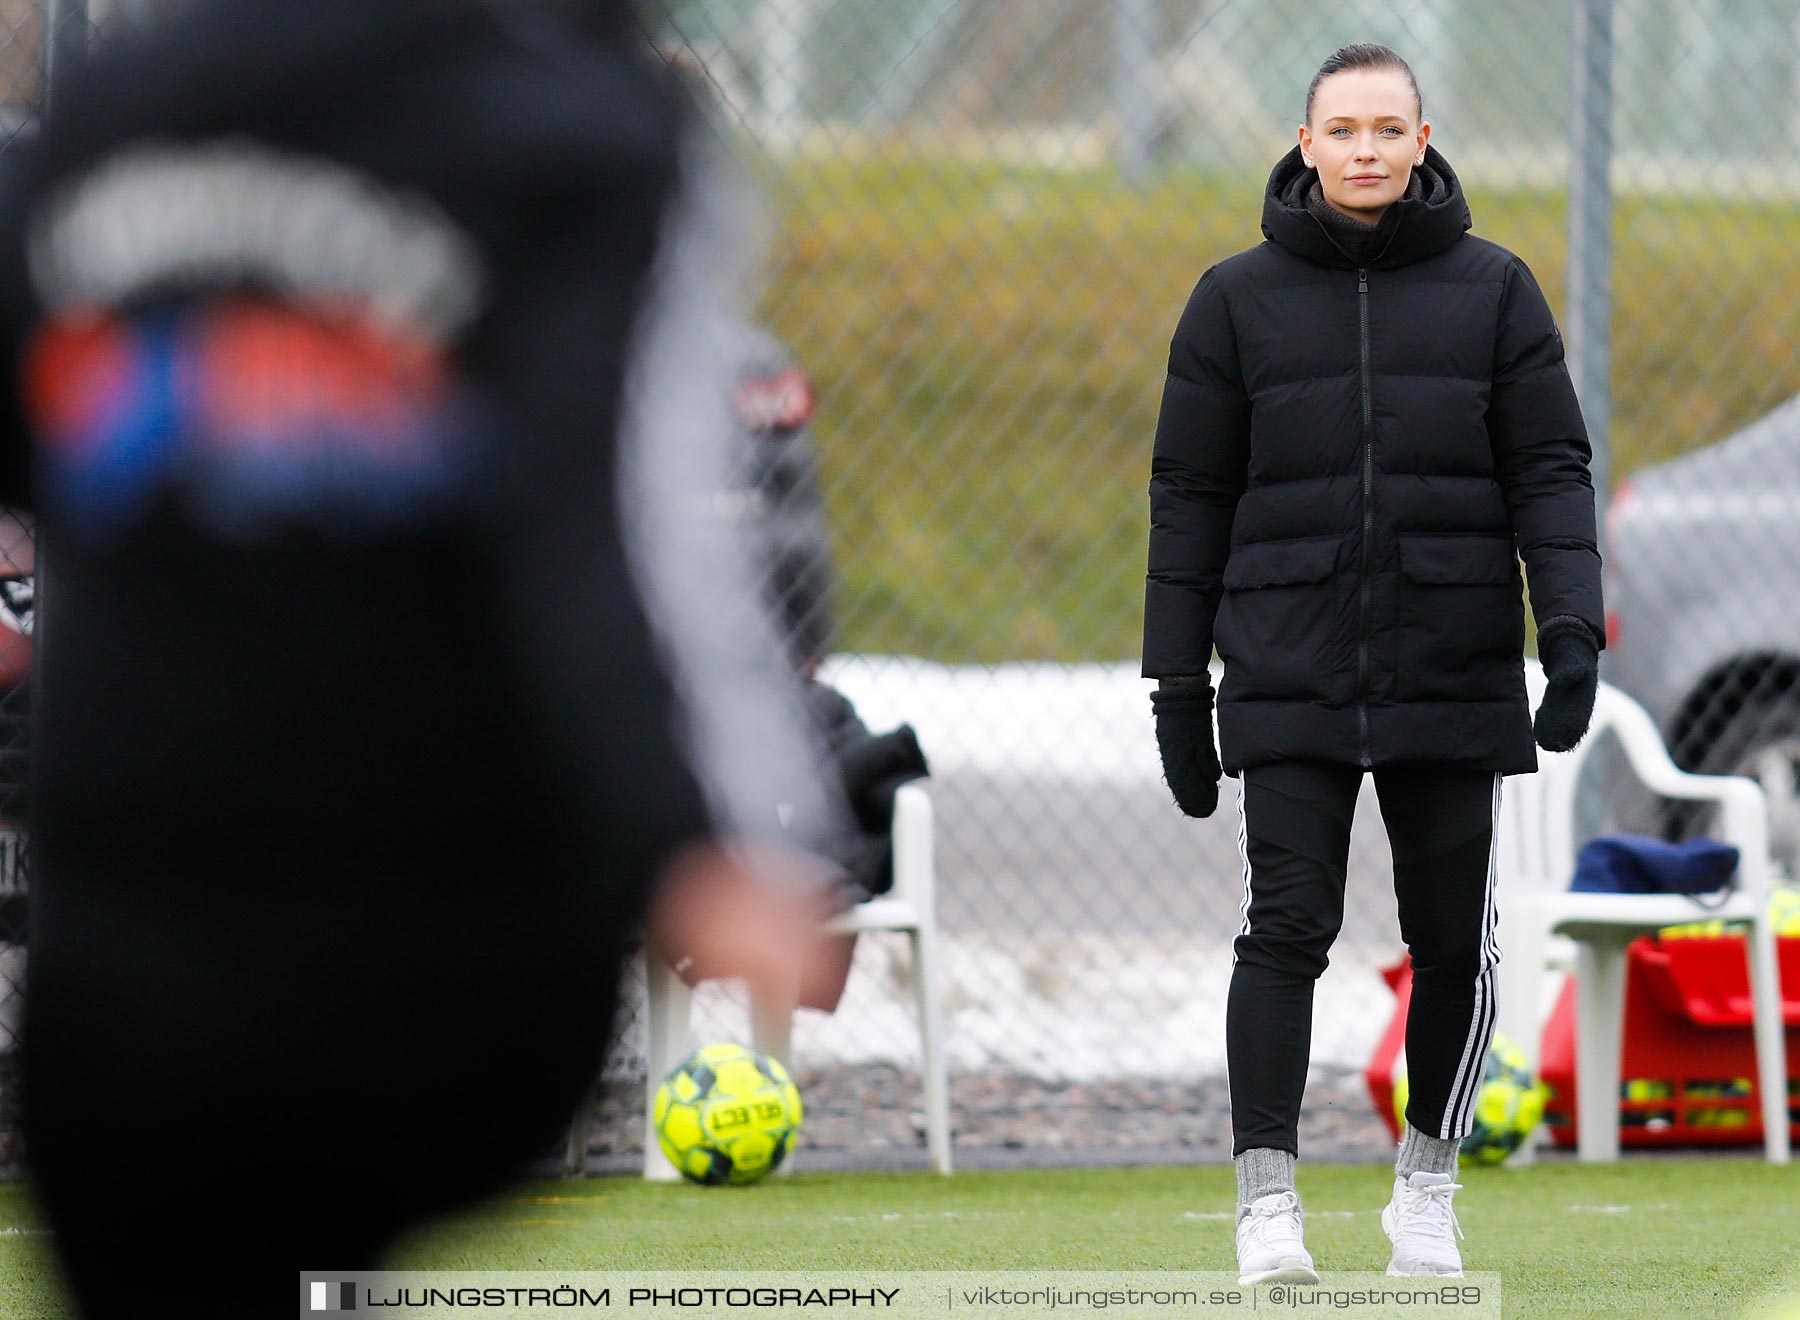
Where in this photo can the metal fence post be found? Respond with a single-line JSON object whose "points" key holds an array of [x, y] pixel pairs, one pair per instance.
{"points": [[783, 73], [1590, 226], [1134, 51], [1590, 302]]}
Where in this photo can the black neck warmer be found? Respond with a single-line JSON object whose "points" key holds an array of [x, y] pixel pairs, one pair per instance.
{"points": [[1356, 237]]}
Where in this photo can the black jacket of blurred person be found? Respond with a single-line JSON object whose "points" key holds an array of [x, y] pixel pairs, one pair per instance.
{"points": [[354, 758]]}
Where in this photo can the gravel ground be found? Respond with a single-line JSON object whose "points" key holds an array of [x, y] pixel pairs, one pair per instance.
{"points": [[869, 1117]]}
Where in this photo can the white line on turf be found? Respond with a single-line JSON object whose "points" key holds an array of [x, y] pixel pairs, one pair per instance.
{"points": [[1310, 1214]]}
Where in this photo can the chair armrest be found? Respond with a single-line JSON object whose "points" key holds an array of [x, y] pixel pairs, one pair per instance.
{"points": [[915, 864], [1743, 807], [1649, 758]]}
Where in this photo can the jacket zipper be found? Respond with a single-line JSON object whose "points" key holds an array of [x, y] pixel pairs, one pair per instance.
{"points": [[1368, 511]]}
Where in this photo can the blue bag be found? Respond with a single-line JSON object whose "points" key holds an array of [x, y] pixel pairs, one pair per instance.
{"points": [[1638, 864]]}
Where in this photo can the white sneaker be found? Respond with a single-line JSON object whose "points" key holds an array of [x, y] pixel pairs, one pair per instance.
{"points": [[1269, 1246], [1423, 1228]]}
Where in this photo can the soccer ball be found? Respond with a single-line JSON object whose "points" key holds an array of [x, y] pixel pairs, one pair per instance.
{"points": [[1784, 911], [1508, 1106], [727, 1114]]}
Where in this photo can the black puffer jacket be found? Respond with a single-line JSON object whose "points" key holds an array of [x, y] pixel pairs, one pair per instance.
{"points": [[1346, 462]]}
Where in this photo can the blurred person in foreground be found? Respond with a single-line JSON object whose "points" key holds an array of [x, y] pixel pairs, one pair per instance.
{"points": [[1367, 422], [394, 664]]}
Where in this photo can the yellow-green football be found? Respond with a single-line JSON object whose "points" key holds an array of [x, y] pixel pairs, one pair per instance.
{"points": [[727, 1114], [1784, 911], [1508, 1104]]}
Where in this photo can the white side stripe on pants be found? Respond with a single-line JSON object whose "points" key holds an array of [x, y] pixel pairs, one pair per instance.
{"points": [[1243, 841], [1459, 1110]]}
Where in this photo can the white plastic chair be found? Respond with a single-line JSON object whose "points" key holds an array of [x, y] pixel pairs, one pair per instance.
{"points": [[910, 907], [1537, 849]]}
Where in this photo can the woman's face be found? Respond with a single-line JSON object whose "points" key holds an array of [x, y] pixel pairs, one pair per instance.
{"points": [[1364, 138]]}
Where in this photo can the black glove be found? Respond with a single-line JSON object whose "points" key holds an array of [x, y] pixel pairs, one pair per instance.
{"points": [[1570, 655], [1184, 736]]}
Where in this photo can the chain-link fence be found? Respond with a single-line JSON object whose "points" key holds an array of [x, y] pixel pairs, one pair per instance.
{"points": [[986, 216]]}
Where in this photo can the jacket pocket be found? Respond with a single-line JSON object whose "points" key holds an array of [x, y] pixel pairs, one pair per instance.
{"points": [[1281, 563], [1283, 623], [1459, 560], [1461, 618]]}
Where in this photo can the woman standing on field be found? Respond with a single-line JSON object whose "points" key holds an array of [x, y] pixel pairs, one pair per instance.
{"points": [[1367, 422]]}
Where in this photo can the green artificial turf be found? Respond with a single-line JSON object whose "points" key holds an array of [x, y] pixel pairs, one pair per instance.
{"points": [[1649, 1237]]}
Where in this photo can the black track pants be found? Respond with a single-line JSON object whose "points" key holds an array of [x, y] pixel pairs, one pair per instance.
{"points": [[1294, 841]]}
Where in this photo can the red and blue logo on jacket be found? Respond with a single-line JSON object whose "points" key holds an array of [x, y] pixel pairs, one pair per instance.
{"points": [[254, 413]]}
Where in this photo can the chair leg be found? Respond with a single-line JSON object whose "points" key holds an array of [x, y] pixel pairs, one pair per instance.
{"points": [[1599, 1038], [581, 1126], [1771, 1041], [772, 1032], [931, 1042], [668, 1006], [772, 1026]]}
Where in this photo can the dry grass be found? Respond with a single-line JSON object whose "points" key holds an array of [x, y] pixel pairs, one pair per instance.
{"points": [[989, 348]]}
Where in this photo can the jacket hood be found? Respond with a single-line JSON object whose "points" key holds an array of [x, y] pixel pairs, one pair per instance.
{"points": [[1410, 230]]}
